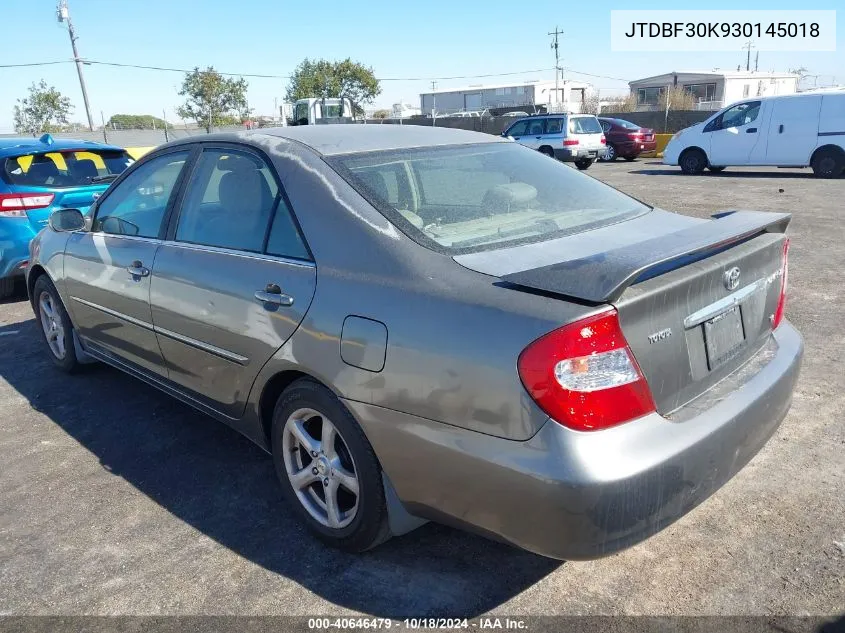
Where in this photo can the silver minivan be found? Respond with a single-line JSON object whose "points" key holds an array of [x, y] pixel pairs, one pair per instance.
{"points": [[574, 138]]}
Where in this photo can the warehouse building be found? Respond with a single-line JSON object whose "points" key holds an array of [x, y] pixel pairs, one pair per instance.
{"points": [[569, 96]]}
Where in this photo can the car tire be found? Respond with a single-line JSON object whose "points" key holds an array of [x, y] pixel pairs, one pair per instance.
{"points": [[828, 163], [692, 161], [609, 154], [7, 287], [311, 472], [716, 169], [54, 324], [584, 163], [548, 151]]}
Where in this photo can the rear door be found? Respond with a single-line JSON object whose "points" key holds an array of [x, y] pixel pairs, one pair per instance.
{"points": [[107, 269], [233, 280], [534, 133], [793, 129]]}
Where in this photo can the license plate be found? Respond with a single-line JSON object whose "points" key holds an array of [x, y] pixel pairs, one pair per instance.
{"points": [[724, 337]]}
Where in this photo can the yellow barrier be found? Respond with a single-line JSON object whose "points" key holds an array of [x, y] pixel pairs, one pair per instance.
{"points": [[662, 142], [137, 152]]}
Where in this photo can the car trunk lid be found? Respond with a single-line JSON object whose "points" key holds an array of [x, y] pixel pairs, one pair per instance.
{"points": [[77, 198], [695, 300]]}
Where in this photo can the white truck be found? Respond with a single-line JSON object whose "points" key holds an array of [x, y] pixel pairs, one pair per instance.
{"points": [[798, 130], [317, 110]]}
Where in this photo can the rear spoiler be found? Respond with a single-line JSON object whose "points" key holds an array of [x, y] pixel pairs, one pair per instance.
{"points": [[603, 277]]}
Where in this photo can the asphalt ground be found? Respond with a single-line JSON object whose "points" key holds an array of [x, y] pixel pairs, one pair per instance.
{"points": [[117, 500]]}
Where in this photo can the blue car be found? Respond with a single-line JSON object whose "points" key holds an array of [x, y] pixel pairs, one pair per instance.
{"points": [[38, 175]]}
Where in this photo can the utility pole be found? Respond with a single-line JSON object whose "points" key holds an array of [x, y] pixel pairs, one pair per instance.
{"points": [[756, 61], [555, 33], [433, 103], [63, 15], [748, 46]]}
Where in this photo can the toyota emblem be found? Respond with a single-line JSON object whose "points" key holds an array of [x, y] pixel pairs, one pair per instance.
{"points": [[732, 278]]}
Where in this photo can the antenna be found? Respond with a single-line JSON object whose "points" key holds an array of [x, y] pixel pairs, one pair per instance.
{"points": [[61, 11]]}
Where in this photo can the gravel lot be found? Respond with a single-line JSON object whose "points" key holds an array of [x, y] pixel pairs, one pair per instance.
{"points": [[117, 499]]}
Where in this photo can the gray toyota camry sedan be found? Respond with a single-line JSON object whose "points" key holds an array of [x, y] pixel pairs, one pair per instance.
{"points": [[430, 324]]}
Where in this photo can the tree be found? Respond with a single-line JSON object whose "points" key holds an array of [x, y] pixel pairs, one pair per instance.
{"points": [[213, 100], [381, 114], [344, 79], [679, 99], [628, 103], [135, 122], [44, 110]]}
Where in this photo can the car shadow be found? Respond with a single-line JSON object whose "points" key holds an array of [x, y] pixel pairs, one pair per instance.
{"points": [[675, 171], [220, 483]]}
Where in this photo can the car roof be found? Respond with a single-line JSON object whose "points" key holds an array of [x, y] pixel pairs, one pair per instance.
{"points": [[348, 138], [17, 146]]}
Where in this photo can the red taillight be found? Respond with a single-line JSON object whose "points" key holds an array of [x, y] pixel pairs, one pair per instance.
{"points": [[585, 376], [637, 136], [570, 141], [17, 204], [776, 320], [603, 140]]}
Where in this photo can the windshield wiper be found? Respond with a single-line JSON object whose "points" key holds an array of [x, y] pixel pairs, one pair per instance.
{"points": [[106, 178]]}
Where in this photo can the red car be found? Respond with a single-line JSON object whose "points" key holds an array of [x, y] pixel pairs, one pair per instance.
{"points": [[625, 139]]}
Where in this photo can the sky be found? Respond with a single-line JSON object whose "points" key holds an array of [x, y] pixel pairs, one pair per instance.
{"points": [[401, 42]]}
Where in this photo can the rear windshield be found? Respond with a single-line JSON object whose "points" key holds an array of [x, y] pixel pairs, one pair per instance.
{"points": [[64, 169], [584, 125], [458, 199], [626, 124]]}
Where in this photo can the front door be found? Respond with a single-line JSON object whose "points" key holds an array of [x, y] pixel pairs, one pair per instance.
{"points": [[233, 280], [108, 269], [793, 129], [734, 134]]}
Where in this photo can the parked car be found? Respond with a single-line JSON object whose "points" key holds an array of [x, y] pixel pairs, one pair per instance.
{"points": [[625, 139], [39, 175], [800, 130], [518, 113], [425, 323], [574, 138]]}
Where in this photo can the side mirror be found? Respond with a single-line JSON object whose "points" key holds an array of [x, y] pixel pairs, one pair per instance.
{"points": [[64, 220]]}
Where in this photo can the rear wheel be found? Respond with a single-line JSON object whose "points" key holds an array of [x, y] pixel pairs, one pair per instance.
{"points": [[7, 287], [828, 163], [56, 328], [548, 151], [716, 169], [583, 163], [692, 161], [327, 468]]}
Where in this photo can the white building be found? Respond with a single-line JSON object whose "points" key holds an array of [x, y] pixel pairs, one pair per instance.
{"points": [[712, 89], [569, 97], [403, 110]]}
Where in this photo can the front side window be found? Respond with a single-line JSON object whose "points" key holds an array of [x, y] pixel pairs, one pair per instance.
{"points": [[300, 113], [520, 128], [72, 168], [478, 197], [138, 204], [229, 202], [739, 115]]}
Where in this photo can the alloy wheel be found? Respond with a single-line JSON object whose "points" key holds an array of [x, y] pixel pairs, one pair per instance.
{"points": [[51, 323], [320, 468]]}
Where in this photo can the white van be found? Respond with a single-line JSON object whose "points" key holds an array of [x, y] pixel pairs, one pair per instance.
{"points": [[783, 131]]}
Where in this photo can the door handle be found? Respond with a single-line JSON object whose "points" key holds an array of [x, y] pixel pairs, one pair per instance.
{"points": [[751, 130], [780, 129], [272, 295], [137, 269]]}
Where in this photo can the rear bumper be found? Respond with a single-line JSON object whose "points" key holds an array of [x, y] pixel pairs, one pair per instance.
{"points": [[15, 236], [578, 153], [575, 495], [631, 148]]}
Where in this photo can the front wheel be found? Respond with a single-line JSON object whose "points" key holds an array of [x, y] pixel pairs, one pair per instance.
{"points": [[692, 161], [328, 469], [584, 163], [56, 328]]}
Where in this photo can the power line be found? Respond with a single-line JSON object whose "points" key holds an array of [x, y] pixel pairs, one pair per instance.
{"points": [[261, 76]]}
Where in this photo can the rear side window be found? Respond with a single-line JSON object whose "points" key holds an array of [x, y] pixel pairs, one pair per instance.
{"points": [[584, 125], [64, 169], [554, 126], [476, 197], [229, 202]]}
